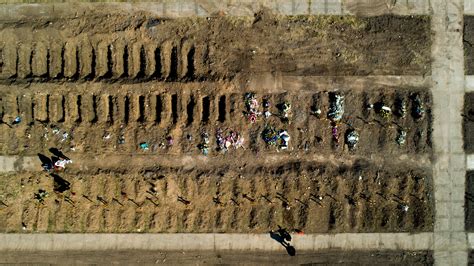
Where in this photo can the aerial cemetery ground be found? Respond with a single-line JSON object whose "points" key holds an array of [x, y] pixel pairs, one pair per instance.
{"points": [[173, 126], [350, 124]]}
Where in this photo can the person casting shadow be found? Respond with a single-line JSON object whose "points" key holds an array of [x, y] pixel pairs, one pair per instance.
{"points": [[281, 236], [58, 153], [46, 162], [50, 164], [284, 233]]}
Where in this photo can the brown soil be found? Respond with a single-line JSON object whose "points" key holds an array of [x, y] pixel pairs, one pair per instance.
{"points": [[250, 198], [469, 207], [468, 122], [224, 257], [122, 47], [142, 79], [136, 115], [468, 40]]}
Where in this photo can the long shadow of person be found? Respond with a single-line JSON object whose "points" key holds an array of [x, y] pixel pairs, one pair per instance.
{"points": [[54, 159], [281, 239], [58, 153], [284, 233], [46, 162], [60, 184], [3, 122], [277, 237]]}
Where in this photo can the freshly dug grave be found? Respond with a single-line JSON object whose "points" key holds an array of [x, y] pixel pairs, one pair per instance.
{"points": [[469, 198], [142, 47], [101, 119], [468, 40], [313, 197], [468, 122]]}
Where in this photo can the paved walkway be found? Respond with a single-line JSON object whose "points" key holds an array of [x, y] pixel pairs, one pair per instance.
{"points": [[237, 242], [450, 240], [204, 8]]}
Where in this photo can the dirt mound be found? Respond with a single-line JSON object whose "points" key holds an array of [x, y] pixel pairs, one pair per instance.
{"points": [[147, 48]]}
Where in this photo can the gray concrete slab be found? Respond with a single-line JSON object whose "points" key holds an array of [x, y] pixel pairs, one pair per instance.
{"points": [[469, 83], [470, 240], [470, 162], [241, 242], [321, 242], [448, 89], [379, 7], [304, 242], [469, 7], [16, 163], [189, 8]]}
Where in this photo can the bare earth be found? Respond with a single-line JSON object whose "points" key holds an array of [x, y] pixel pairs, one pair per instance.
{"points": [[114, 82], [202, 257]]}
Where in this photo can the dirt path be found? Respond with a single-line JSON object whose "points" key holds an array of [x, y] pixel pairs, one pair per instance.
{"points": [[202, 257]]}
